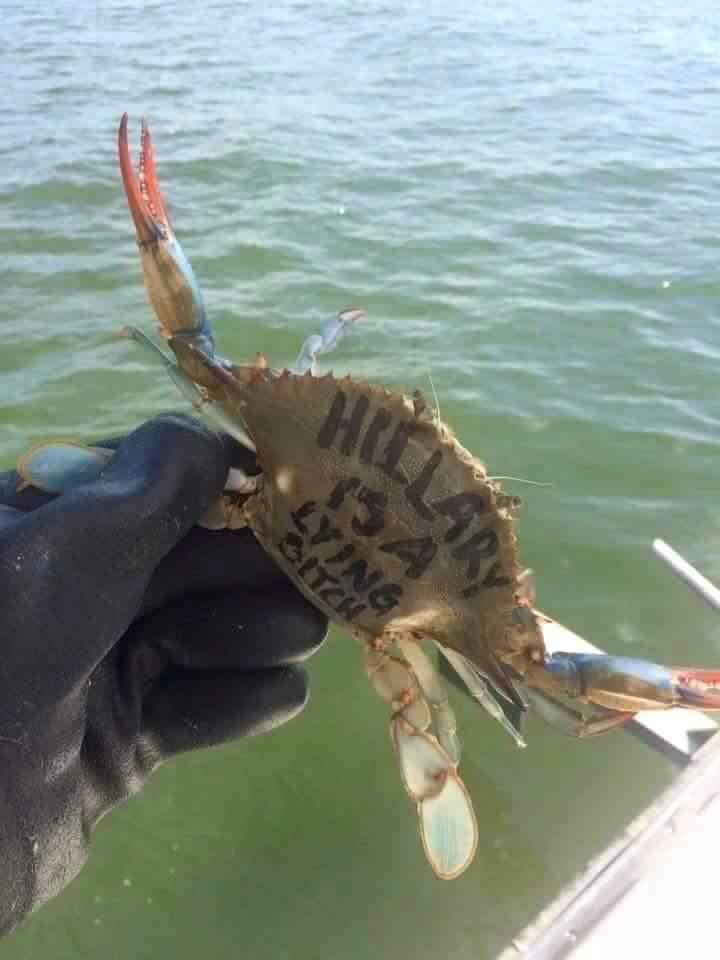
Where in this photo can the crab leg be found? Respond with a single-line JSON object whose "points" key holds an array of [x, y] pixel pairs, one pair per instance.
{"points": [[422, 729], [442, 718], [182, 381], [615, 688], [325, 341], [188, 388]]}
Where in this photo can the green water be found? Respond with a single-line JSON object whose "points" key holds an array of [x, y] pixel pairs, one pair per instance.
{"points": [[527, 206]]}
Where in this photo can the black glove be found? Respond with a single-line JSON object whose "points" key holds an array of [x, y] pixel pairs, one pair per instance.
{"points": [[128, 635]]}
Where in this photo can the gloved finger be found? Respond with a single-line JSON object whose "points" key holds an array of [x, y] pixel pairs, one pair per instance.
{"points": [[237, 454], [29, 498], [160, 481], [246, 630], [206, 560], [203, 560], [81, 564], [191, 709], [8, 515]]}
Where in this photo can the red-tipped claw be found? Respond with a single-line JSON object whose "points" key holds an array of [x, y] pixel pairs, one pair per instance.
{"points": [[619, 686], [171, 284], [697, 689], [143, 194]]}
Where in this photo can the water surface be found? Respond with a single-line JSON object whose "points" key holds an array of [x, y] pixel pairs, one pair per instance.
{"points": [[526, 204]]}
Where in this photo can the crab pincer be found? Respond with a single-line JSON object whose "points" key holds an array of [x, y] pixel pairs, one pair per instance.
{"points": [[615, 689], [170, 281]]}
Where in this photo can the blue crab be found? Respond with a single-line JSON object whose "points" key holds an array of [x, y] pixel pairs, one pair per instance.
{"points": [[390, 526]]}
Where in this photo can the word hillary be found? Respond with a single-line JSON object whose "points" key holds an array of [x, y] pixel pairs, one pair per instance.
{"points": [[342, 579]]}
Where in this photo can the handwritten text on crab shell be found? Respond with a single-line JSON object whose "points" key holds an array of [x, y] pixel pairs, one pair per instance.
{"points": [[325, 559]]}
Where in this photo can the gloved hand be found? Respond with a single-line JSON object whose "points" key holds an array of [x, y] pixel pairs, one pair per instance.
{"points": [[127, 635]]}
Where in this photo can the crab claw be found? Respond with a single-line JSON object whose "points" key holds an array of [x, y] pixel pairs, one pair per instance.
{"points": [[622, 686], [628, 684], [173, 289]]}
